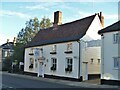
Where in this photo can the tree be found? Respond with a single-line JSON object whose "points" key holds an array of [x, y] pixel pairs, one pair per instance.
{"points": [[45, 23], [27, 34], [31, 29]]}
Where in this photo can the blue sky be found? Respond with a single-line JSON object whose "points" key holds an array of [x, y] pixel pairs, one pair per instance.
{"points": [[13, 15]]}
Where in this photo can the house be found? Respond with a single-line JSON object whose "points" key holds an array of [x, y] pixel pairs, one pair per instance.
{"points": [[110, 63], [6, 50], [60, 51]]}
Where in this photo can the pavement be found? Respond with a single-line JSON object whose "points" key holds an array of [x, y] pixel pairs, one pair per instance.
{"points": [[84, 84]]}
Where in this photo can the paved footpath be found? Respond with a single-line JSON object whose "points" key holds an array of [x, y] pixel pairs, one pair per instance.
{"points": [[65, 82]]}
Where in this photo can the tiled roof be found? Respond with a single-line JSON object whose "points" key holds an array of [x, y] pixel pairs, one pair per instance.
{"points": [[111, 28], [63, 33], [8, 45]]}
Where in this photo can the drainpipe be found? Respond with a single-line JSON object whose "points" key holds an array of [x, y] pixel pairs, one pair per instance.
{"points": [[79, 60], [102, 55]]}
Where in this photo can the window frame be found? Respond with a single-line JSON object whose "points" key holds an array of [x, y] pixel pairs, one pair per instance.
{"points": [[69, 46], [31, 63], [53, 64], [69, 64], [116, 62], [116, 38]]}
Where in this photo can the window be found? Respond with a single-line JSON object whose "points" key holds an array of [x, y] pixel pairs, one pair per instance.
{"points": [[6, 54], [31, 51], [69, 63], [91, 60], [98, 61], [69, 47], [116, 62], [116, 38], [31, 63], [54, 64], [54, 48]]}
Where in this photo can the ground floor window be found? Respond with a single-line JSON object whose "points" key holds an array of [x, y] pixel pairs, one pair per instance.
{"points": [[116, 62], [69, 64], [31, 62], [54, 64]]}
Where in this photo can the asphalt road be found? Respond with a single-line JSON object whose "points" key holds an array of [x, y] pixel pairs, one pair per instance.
{"points": [[9, 81]]}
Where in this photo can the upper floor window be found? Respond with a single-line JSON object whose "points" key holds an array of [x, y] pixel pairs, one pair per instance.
{"points": [[116, 38], [31, 52], [69, 47], [54, 48], [69, 63], [116, 62], [54, 64]]}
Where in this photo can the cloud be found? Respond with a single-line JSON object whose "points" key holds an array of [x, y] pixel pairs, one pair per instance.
{"points": [[37, 7], [12, 13], [41, 6], [84, 14], [106, 16], [111, 16]]}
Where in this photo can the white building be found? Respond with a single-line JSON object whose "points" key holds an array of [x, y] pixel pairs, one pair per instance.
{"points": [[63, 51], [110, 63]]}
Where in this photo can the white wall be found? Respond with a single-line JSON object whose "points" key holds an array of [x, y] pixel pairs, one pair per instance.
{"points": [[109, 50], [86, 52], [61, 57], [95, 53], [92, 32]]}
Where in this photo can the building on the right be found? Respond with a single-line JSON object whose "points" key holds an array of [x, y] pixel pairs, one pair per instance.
{"points": [[110, 54]]}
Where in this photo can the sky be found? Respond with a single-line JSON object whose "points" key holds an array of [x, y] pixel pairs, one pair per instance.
{"points": [[13, 15]]}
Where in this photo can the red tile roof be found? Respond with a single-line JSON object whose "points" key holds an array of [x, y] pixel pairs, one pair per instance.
{"points": [[63, 33], [111, 28]]}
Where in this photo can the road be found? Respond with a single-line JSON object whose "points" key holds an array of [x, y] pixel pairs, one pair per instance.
{"points": [[16, 81], [9, 81]]}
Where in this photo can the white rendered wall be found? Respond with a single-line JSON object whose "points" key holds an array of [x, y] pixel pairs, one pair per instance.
{"points": [[109, 50], [95, 53], [92, 32], [61, 58]]}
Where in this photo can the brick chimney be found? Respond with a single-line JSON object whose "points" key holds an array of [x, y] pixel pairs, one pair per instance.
{"points": [[101, 18], [57, 18]]}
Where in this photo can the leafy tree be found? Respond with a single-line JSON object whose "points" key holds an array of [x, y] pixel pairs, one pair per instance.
{"points": [[31, 29], [27, 34], [18, 52], [45, 23]]}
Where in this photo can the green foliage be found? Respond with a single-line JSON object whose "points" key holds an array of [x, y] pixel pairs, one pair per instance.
{"points": [[32, 27], [18, 53], [27, 34], [45, 23]]}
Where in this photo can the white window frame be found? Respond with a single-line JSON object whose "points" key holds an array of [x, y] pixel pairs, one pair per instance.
{"points": [[116, 38], [99, 61], [54, 48], [69, 46], [69, 63], [31, 61], [116, 63], [54, 62]]}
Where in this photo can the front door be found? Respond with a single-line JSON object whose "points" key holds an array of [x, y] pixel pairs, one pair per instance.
{"points": [[41, 69]]}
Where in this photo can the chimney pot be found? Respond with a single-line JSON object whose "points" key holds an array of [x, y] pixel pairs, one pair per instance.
{"points": [[101, 18]]}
